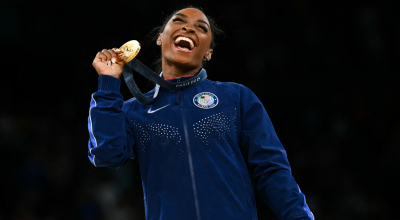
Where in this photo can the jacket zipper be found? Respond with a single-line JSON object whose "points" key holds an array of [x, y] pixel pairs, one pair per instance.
{"points": [[196, 201]]}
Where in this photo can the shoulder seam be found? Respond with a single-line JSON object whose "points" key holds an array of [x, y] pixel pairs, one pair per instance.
{"points": [[225, 84]]}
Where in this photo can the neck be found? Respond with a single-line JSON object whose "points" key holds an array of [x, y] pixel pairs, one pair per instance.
{"points": [[174, 71]]}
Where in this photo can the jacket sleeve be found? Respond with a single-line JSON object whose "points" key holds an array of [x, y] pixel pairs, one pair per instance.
{"points": [[110, 134], [268, 162]]}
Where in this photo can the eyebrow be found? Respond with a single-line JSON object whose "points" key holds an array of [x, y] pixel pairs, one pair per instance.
{"points": [[201, 21]]}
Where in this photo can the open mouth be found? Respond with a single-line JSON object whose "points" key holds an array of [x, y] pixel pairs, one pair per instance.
{"points": [[184, 44]]}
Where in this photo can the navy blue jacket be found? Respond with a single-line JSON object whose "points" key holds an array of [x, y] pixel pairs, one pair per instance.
{"points": [[196, 148]]}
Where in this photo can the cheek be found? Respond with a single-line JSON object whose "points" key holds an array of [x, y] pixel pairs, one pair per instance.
{"points": [[165, 34], [165, 46], [206, 43]]}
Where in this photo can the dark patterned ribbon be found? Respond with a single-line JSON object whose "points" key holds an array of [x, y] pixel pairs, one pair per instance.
{"points": [[152, 76]]}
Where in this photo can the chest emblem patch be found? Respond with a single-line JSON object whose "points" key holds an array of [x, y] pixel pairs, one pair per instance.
{"points": [[205, 100]]}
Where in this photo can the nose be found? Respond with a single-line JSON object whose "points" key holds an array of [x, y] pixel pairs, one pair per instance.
{"points": [[188, 29]]}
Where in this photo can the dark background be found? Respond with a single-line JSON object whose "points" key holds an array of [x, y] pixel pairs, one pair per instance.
{"points": [[324, 70]]}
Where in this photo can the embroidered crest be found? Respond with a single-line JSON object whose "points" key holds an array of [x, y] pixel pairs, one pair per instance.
{"points": [[205, 100]]}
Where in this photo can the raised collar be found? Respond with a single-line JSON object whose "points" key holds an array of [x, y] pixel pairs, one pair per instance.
{"points": [[177, 80], [180, 79]]}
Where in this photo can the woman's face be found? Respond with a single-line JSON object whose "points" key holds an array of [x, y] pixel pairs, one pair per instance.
{"points": [[186, 39]]}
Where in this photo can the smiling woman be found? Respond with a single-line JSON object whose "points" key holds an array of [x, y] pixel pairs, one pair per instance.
{"points": [[208, 26], [197, 145], [185, 42]]}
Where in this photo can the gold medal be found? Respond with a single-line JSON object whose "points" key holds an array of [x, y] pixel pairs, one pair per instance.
{"points": [[129, 51]]}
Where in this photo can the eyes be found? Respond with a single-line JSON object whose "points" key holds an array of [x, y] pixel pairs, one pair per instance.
{"points": [[178, 19]]}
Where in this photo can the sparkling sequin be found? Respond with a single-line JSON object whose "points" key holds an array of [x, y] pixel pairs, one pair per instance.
{"points": [[219, 125], [153, 134]]}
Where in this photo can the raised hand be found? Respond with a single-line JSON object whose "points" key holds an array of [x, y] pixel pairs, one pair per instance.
{"points": [[107, 62]]}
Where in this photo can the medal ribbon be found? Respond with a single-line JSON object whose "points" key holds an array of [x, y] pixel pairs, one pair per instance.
{"points": [[152, 76]]}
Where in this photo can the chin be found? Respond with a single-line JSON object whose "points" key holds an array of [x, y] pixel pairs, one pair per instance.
{"points": [[185, 62], [186, 65]]}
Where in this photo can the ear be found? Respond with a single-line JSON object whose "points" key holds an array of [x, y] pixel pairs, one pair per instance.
{"points": [[208, 54], [159, 38]]}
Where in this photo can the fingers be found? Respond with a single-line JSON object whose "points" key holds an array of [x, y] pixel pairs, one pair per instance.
{"points": [[114, 55], [118, 55], [117, 51], [108, 57]]}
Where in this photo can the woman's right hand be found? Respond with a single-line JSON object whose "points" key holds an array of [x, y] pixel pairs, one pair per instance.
{"points": [[105, 63]]}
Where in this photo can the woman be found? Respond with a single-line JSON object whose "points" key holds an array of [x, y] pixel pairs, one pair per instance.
{"points": [[194, 145]]}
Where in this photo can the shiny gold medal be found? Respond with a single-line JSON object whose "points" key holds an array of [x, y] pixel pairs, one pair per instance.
{"points": [[129, 51]]}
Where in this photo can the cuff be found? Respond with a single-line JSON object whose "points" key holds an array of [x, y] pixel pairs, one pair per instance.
{"points": [[108, 83]]}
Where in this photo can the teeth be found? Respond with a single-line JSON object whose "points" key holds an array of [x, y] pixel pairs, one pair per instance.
{"points": [[178, 39]]}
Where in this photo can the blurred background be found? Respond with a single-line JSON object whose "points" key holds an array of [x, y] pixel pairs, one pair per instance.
{"points": [[324, 70]]}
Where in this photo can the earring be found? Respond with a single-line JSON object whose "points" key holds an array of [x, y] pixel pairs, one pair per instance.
{"points": [[158, 42]]}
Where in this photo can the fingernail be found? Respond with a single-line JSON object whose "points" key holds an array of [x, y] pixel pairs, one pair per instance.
{"points": [[113, 60], [117, 49]]}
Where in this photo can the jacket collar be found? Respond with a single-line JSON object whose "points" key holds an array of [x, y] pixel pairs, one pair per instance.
{"points": [[175, 80]]}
